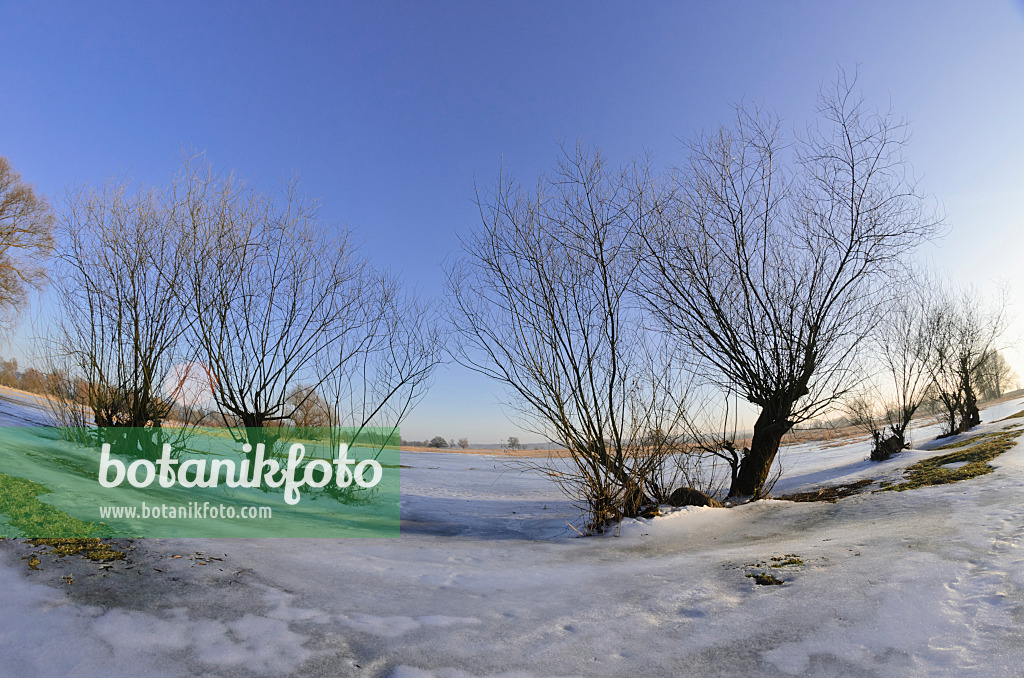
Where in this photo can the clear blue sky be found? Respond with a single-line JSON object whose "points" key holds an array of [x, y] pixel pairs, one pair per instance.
{"points": [[390, 110]]}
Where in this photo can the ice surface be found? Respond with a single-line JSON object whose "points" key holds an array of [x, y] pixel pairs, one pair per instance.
{"points": [[18, 408], [488, 580]]}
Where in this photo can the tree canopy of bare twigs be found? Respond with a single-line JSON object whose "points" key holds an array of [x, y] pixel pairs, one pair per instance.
{"points": [[26, 239], [380, 383], [768, 260], [995, 376], [275, 312], [121, 264], [902, 344], [542, 295], [965, 332], [934, 341], [283, 300]]}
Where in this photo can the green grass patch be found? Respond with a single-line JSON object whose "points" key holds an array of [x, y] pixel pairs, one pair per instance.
{"points": [[32, 517], [765, 579], [1019, 415], [831, 493], [787, 560], [967, 442], [979, 451]]}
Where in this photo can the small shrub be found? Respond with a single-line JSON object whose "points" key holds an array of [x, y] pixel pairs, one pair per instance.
{"points": [[885, 447]]}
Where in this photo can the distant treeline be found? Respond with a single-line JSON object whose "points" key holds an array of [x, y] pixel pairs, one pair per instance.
{"points": [[30, 379]]}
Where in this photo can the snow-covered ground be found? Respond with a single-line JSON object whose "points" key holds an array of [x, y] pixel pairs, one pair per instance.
{"points": [[18, 408], [489, 580]]}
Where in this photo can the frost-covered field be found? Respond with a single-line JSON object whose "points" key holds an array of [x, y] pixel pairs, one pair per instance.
{"points": [[488, 580]]}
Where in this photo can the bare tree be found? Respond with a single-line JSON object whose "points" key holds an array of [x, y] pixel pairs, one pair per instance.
{"points": [[9, 372], [310, 409], [121, 260], [866, 412], [768, 269], [543, 298], [26, 238], [376, 376], [964, 333], [711, 439], [994, 376], [903, 341], [862, 411], [283, 299]]}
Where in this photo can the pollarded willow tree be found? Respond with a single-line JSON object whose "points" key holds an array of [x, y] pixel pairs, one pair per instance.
{"points": [[768, 262], [965, 332], [543, 298], [120, 280], [902, 344], [292, 319], [268, 309]]}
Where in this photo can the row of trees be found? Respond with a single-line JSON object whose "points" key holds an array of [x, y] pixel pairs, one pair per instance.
{"points": [[439, 442], [511, 443], [29, 379], [934, 344], [617, 305], [628, 311], [211, 302]]}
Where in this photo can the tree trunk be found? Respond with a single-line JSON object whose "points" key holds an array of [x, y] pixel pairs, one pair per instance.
{"points": [[256, 432], [754, 468], [951, 412], [633, 497], [971, 415]]}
